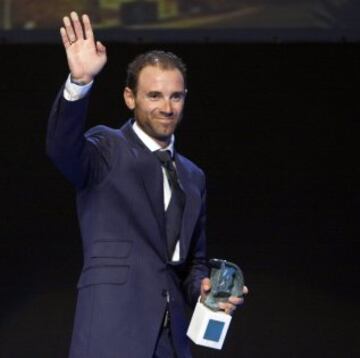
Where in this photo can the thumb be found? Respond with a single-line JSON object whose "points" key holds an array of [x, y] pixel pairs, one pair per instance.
{"points": [[100, 47], [205, 285]]}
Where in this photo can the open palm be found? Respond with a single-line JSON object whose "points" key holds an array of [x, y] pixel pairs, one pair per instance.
{"points": [[86, 58]]}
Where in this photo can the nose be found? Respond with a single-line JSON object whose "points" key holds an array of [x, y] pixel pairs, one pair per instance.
{"points": [[166, 108]]}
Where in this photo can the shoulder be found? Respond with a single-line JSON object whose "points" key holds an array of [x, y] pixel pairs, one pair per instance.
{"points": [[193, 170], [190, 165], [101, 130], [102, 133]]}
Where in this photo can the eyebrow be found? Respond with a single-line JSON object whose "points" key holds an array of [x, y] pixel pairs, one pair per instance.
{"points": [[153, 93], [176, 93]]}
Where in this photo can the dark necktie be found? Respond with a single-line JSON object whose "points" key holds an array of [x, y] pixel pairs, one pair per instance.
{"points": [[174, 211]]}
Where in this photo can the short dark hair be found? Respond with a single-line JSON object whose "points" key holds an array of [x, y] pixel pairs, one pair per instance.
{"points": [[164, 59]]}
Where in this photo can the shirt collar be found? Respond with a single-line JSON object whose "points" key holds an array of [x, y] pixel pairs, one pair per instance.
{"points": [[150, 143]]}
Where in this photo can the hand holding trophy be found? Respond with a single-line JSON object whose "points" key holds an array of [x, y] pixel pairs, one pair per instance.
{"points": [[209, 323], [226, 280]]}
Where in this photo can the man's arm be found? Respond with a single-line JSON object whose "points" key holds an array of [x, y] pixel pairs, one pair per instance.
{"points": [[197, 263], [66, 144], [197, 283]]}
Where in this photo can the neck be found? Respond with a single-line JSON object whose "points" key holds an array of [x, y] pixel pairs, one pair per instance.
{"points": [[162, 143]]}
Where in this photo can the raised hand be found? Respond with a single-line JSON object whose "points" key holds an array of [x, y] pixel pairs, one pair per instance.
{"points": [[85, 57]]}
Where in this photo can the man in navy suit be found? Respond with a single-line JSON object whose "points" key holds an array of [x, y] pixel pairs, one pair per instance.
{"points": [[134, 285]]}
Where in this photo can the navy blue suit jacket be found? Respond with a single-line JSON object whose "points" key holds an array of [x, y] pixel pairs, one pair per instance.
{"points": [[126, 273]]}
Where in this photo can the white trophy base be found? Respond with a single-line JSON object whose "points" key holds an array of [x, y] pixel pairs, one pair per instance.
{"points": [[208, 328]]}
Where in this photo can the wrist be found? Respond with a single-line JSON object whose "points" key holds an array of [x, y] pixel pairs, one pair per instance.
{"points": [[80, 81], [73, 91]]}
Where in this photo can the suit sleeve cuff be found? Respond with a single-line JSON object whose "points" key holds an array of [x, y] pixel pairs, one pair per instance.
{"points": [[73, 92]]}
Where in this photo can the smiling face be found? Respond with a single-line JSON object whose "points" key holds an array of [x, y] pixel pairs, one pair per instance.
{"points": [[158, 102]]}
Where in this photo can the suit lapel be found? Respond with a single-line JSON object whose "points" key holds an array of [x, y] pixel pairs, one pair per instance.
{"points": [[151, 174]]}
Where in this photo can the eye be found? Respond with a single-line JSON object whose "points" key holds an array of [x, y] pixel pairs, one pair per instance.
{"points": [[154, 95], [178, 96]]}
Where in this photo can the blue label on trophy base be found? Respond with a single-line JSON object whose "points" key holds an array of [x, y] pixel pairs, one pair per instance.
{"points": [[214, 330]]}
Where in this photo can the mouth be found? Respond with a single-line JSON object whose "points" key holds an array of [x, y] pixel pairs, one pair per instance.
{"points": [[166, 119]]}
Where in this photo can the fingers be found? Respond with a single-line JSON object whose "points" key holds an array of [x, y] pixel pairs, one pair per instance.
{"points": [[64, 37], [73, 29], [233, 302], [89, 34], [77, 26], [230, 306], [69, 30], [236, 300], [205, 286], [227, 307]]}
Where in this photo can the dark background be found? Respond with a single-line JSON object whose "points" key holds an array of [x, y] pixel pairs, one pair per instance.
{"points": [[274, 126]]}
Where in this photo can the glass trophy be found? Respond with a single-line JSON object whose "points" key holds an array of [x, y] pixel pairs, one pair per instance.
{"points": [[226, 280], [209, 324]]}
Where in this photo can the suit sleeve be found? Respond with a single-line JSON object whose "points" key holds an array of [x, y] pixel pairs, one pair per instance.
{"points": [[83, 158], [197, 263]]}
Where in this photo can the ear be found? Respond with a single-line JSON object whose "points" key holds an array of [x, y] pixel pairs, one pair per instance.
{"points": [[129, 98]]}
